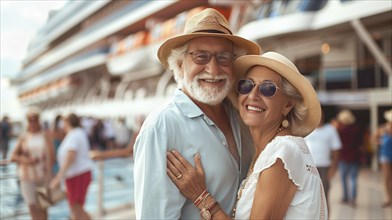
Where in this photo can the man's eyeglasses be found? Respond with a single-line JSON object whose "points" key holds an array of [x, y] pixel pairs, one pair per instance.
{"points": [[266, 88], [202, 57]]}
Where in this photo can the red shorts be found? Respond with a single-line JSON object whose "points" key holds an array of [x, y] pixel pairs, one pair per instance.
{"points": [[77, 188]]}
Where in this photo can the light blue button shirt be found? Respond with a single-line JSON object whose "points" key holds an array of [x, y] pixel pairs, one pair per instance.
{"points": [[183, 126]]}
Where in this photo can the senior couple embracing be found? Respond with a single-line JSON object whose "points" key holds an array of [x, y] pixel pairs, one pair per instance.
{"points": [[230, 142]]}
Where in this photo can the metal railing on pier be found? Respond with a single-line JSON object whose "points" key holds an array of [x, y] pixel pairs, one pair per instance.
{"points": [[110, 191]]}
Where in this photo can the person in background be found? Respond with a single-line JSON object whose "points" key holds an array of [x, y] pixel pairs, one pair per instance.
{"points": [[197, 117], [324, 145], [386, 157], [121, 152], [98, 140], [350, 155], [6, 134], [280, 107], [87, 123], [57, 135], [122, 134], [108, 134], [75, 166], [34, 154]]}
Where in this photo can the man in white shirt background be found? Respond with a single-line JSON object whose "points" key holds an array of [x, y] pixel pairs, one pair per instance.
{"points": [[324, 144]]}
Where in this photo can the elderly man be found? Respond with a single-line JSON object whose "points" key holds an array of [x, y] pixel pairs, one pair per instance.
{"points": [[198, 119]]}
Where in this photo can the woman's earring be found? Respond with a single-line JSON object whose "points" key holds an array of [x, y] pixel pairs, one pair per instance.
{"points": [[285, 123]]}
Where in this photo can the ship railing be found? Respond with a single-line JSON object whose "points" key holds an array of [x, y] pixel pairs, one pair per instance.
{"points": [[101, 209], [22, 210], [7, 195]]}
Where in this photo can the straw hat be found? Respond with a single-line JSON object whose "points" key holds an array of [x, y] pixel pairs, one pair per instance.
{"points": [[388, 115], [207, 23], [289, 71], [346, 117], [33, 111]]}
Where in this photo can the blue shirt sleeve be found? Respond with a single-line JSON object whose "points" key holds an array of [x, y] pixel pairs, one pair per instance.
{"points": [[156, 196]]}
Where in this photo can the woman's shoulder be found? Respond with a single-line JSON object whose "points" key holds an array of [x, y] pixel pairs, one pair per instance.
{"points": [[295, 155], [289, 144]]}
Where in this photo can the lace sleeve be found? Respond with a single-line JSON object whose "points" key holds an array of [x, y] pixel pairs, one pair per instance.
{"points": [[294, 153]]}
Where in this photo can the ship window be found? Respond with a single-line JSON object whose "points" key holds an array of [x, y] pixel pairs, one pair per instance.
{"points": [[383, 79], [370, 73], [310, 68], [344, 1], [338, 78], [366, 77], [309, 5]]}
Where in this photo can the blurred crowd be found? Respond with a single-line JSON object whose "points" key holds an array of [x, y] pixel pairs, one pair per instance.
{"points": [[60, 153], [339, 145]]}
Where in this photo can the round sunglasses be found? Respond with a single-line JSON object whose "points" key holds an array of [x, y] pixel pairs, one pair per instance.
{"points": [[266, 88]]}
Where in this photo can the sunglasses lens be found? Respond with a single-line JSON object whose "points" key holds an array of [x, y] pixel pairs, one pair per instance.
{"points": [[244, 86], [267, 89]]}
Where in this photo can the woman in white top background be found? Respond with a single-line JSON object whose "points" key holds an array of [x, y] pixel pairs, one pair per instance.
{"points": [[75, 166], [280, 107]]}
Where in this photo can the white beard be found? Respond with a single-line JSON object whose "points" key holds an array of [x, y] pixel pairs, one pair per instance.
{"points": [[210, 95]]}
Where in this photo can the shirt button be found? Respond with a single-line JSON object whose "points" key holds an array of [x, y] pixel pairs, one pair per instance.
{"points": [[224, 143]]}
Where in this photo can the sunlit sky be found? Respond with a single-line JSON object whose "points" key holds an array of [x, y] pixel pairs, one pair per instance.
{"points": [[20, 21]]}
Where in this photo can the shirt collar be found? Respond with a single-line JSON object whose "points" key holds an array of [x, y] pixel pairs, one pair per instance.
{"points": [[186, 105]]}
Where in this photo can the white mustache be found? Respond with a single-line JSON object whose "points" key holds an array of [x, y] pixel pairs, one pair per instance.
{"points": [[209, 76]]}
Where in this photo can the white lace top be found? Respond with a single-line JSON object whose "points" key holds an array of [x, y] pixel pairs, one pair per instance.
{"points": [[309, 200]]}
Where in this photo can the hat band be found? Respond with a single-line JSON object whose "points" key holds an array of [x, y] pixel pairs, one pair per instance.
{"points": [[212, 31]]}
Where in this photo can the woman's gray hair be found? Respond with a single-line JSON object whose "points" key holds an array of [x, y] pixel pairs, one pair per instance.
{"points": [[299, 111], [177, 55]]}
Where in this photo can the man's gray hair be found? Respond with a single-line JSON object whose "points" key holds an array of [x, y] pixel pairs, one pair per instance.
{"points": [[174, 60]]}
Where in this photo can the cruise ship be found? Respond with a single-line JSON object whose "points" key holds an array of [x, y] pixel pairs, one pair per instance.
{"points": [[98, 58]]}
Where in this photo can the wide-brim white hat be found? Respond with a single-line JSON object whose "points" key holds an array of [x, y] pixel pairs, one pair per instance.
{"points": [[289, 71], [207, 23]]}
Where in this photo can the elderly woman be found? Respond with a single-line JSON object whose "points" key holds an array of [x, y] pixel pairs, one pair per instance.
{"points": [[280, 107], [34, 154], [75, 166]]}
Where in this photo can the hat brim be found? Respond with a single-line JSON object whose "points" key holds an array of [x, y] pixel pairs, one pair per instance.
{"points": [[174, 42], [309, 95]]}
